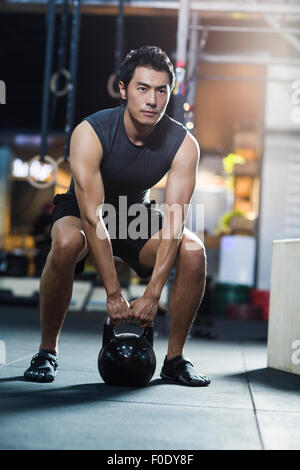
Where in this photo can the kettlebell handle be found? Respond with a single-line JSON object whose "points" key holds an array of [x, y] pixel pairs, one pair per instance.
{"points": [[109, 332]]}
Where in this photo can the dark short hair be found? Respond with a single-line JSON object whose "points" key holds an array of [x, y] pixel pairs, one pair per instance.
{"points": [[146, 56]]}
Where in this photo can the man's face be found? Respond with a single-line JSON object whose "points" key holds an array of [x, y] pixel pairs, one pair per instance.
{"points": [[147, 95]]}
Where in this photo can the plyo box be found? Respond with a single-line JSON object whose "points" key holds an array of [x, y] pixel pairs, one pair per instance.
{"points": [[284, 316]]}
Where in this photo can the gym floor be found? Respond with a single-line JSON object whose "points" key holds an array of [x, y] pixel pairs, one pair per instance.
{"points": [[246, 406]]}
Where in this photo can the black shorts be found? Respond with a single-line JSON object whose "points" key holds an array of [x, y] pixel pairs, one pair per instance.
{"points": [[125, 248]]}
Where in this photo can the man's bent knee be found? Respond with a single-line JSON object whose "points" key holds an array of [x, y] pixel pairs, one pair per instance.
{"points": [[65, 251], [192, 252]]}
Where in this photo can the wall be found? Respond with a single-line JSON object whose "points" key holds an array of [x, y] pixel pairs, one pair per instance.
{"points": [[221, 105]]}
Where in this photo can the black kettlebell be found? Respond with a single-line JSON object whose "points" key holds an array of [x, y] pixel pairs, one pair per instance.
{"points": [[126, 359]]}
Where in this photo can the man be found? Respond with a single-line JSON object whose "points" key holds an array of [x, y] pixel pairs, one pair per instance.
{"points": [[122, 152]]}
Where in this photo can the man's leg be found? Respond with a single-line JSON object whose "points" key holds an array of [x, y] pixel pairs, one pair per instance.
{"points": [[187, 291], [186, 295], [68, 247], [188, 287]]}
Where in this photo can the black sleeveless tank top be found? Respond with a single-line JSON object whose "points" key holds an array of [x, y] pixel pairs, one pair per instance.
{"points": [[128, 169]]}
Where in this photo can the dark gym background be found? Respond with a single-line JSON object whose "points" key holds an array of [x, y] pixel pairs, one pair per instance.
{"points": [[22, 51], [24, 39]]}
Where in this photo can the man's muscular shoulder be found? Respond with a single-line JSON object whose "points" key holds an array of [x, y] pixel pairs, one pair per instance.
{"points": [[84, 141], [188, 152], [84, 130]]}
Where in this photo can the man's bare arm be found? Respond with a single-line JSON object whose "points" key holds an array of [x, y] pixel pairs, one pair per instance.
{"points": [[85, 158], [179, 190]]}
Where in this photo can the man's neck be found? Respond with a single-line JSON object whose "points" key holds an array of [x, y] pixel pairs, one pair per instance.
{"points": [[136, 132]]}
